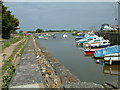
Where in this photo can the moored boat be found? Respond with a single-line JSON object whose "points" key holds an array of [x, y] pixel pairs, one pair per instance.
{"points": [[112, 58], [54, 36], [40, 36], [46, 38], [98, 40], [90, 52], [79, 37], [113, 55], [107, 51], [102, 44], [65, 35], [86, 39]]}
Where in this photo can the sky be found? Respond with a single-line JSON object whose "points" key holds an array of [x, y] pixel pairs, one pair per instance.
{"points": [[63, 15], [60, 0]]}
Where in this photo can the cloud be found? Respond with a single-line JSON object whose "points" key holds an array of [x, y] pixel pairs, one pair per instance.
{"points": [[60, 0]]}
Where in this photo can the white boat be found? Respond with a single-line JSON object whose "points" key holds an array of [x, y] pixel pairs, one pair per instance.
{"points": [[40, 36], [86, 39], [47, 35], [65, 35], [112, 58], [101, 44], [97, 40], [46, 38], [90, 35]]}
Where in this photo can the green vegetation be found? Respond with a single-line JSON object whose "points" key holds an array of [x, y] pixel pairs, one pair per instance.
{"points": [[20, 31], [39, 30], [12, 40], [8, 67], [66, 31], [60, 31], [30, 31], [7, 78], [9, 22]]}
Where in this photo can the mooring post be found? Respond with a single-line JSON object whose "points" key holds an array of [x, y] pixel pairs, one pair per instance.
{"points": [[110, 62]]}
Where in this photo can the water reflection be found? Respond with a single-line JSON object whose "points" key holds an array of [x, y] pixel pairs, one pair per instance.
{"points": [[111, 69], [101, 62]]}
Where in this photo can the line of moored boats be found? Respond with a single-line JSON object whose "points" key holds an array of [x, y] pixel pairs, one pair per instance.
{"points": [[98, 47], [46, 36]]}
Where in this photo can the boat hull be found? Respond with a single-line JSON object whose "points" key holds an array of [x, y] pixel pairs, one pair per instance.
{"points": [[107, 51], [101, 46], [90, 52], [112, 58]]}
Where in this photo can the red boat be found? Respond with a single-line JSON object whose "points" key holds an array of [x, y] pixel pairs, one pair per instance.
{"points": [[90, 52]]}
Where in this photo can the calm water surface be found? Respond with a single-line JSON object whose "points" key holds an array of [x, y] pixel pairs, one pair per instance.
{"points": [[72, 57]]}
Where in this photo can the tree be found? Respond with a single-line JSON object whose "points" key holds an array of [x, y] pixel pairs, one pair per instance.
{"points": [[9, 22], [20, 31], [39, 30], [30, 31]]}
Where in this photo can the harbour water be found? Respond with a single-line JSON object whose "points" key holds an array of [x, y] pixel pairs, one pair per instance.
{"points": [[72, 57]]}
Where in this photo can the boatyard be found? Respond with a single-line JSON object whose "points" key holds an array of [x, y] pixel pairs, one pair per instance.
{"points": [[38, 69], [43, 66], [59, 45]]}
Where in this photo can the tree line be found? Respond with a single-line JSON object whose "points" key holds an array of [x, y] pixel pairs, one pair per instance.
{"points": [[41, 31]]}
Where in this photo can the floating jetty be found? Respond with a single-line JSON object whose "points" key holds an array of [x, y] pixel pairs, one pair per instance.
{"points": [[39, 69]]}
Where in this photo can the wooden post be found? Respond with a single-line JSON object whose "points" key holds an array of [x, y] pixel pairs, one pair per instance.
{"points": [[110, 62]]}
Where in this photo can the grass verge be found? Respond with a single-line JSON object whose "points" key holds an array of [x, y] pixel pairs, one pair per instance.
{"points": [[12, 40], [8, 68]]}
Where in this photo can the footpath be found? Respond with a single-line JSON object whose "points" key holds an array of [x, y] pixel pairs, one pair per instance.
{"points": [[27, 74], [8, 52]]}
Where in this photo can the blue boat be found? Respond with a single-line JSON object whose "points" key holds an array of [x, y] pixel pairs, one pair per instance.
{"points": [[80, 37], [106, 51]]}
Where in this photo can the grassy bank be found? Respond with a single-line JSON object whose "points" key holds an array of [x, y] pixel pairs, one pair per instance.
{"points": [[8, 67], [13, 39]]}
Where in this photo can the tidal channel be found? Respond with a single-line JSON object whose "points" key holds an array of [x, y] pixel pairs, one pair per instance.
{"points": [[72, 57]]}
